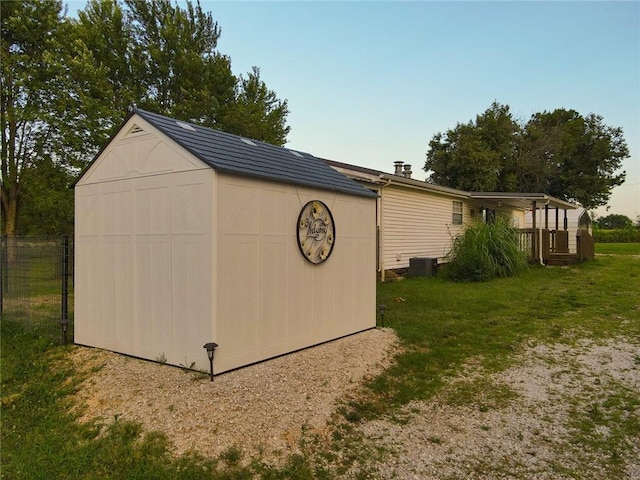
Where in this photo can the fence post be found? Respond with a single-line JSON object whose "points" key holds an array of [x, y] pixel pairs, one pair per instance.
{"points": [[65, 288], [2, 274]]}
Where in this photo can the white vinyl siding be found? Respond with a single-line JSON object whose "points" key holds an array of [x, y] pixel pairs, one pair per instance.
{"points": [[416, 224]]}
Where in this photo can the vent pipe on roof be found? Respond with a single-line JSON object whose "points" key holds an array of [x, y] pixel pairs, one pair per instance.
{"points": [[398, 167], [407, 171]]}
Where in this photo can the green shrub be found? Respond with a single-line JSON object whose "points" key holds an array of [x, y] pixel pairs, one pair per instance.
{"points": [[486, 251], [616, 235]]}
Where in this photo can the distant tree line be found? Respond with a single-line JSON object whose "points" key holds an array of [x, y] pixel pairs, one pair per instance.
{"points": [[615, 220], [68, 83], [561, 153], [616, 228]]}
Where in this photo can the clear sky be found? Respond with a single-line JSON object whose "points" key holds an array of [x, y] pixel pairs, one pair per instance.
{"points": [[369, 83]]}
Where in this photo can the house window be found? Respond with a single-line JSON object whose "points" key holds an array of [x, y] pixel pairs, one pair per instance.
{"points": [[456, 218]]}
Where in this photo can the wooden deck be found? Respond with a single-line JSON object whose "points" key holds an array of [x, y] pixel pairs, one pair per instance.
{"points": [[552, 246]]}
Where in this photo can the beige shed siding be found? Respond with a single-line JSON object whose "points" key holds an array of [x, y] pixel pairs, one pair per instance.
{"points": [[143, 246], [417, 224], [272, 301]]}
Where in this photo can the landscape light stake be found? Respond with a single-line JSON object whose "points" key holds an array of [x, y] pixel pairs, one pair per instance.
{"points": [[382, 309], [64, 323], [211, 348]]}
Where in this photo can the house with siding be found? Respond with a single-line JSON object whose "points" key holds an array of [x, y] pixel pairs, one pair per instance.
{"points": [[417, 219]]}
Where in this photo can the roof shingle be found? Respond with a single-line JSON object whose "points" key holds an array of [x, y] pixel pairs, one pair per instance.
{"points": [[237, 155]]}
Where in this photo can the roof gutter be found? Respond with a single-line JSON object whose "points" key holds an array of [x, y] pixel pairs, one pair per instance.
{"points": [[422, 185]]}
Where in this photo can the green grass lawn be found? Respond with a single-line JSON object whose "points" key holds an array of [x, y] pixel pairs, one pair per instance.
{"points": [[618, 248], [441, 325]]}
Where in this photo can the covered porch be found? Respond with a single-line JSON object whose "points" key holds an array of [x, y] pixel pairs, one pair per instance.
{"points": [[547, 240]]}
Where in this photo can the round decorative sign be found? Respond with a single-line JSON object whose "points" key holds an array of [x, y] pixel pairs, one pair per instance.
{"points": [[316, 232]]}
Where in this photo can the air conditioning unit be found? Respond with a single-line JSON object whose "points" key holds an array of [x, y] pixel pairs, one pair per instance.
{"points": [[422, 266]]}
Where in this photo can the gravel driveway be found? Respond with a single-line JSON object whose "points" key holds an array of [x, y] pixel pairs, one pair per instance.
{"points": [[524, 427], [533, 433]]}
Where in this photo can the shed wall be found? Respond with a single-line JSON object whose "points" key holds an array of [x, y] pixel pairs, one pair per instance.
{"points": [[273, 301], [143, 283]]}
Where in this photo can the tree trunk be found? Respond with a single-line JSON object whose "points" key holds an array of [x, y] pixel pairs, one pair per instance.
{"points": [[9, 209]]}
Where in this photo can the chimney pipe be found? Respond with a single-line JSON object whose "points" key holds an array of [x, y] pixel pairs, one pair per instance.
{"points": [[407, 171], [398, 167]]}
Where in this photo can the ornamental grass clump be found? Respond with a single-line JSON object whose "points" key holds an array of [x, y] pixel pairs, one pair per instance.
{"points": [[485, 251]]}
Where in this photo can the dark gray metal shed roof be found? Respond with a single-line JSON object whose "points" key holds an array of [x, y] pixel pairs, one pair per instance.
{"points": [[242, 156]]}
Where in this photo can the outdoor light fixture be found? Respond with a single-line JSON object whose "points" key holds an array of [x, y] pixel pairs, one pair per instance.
{"points": [[211, 349], [64, 323], [382, 309]]}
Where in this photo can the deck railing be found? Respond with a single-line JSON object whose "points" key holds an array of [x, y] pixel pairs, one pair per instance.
{"points": [[528, 242], [585, 244], [555, 242]]}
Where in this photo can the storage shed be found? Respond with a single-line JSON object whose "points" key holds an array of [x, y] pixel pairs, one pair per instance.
{"points": [[187, 235]]}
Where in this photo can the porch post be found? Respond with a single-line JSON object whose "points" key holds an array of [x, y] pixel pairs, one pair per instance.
{"points": [[557, 214], [534, 209], [546, 217], [566, 223]]}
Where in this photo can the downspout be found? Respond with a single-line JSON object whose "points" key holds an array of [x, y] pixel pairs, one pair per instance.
{"points": [[381, 232]]}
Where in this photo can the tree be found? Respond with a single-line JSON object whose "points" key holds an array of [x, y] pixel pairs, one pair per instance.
{"points": [[560, 153], [106, 31], [67, 84], [476, 156], [614, 221], [164, 59], [256, 112], [52, 96], [46, 201], [576, 157]]}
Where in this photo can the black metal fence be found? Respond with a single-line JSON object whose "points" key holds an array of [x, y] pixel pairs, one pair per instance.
{"points": [[36, 284]]}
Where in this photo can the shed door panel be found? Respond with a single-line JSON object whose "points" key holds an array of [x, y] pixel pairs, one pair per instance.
{"points": [[117, 260], [117, 306], [191, 287], [152, 269]]}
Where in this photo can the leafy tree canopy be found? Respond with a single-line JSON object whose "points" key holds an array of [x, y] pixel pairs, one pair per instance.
{"points": [[54, 96], [67, 85], [164, 58], [614, 221], [475, 156], [561, 153]]}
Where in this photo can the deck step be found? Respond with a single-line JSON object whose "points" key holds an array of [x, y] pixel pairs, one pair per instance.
{"points": [[563, 259]]}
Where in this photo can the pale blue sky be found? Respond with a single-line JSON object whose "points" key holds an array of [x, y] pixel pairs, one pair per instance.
{"points": [[369, 83]]}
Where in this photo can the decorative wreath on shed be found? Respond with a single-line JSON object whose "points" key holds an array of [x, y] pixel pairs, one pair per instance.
{"points": [[316, 232]]}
